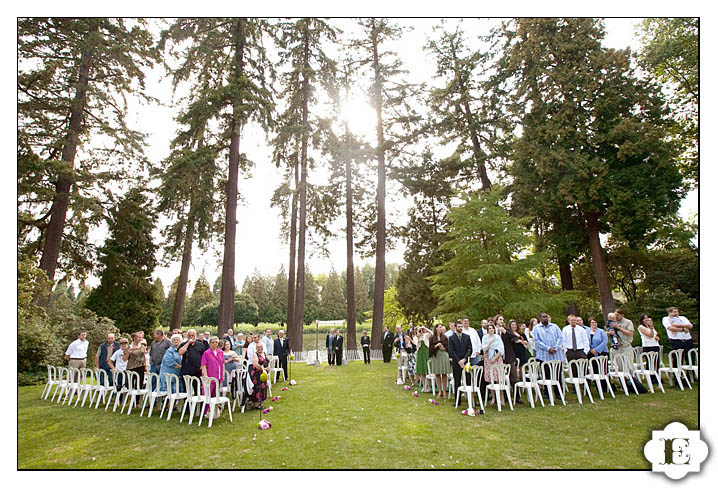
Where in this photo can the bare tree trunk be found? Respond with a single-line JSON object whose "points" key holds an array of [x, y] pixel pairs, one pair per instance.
{"points": [[226, 298], [377, 319], [351, 305], [178, 308], [600, 270], [564, 270], [299, 304], [58, 212], [292, 330]]}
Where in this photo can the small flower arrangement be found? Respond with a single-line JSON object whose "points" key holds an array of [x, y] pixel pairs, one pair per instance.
{"points": [[275, 398], [407, 387], [267, 410], [264, 425], [415, 394], [435, 403], [469, 412], [292, 382], [291, 356], [398, 355], [284, 389], [263, 376], [467, 367]]}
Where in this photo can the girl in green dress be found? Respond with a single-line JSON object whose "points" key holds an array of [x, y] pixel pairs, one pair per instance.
{"points": [[422, 355]]}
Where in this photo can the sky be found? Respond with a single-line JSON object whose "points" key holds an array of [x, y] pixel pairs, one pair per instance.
{"points": [[259, 242]]}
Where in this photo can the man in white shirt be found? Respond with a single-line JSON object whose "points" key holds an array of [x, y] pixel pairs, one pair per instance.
{"points": [[575, 340], [475, 341], [118, 360], [452, 330], [679, 331], [268, 343], [76, 353]]}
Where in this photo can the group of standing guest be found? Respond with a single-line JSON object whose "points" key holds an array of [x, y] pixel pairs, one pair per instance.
{"points": [[442, 352], [335, 347], [188, 353]]}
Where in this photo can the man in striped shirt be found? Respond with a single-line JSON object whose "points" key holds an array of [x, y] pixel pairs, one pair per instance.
{"points": [[549, 342]]}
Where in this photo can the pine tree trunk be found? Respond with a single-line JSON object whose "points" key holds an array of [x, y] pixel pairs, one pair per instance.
{"points": [[226, 298], [299, 303], [292, 330], [377, 320], [564, 270], [58, 212], [351, 304], [181, 294], [600, 270]]}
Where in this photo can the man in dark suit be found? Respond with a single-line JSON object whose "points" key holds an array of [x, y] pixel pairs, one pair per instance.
{"points": [[365, 345], [459, 352], [387, 343], [330, 347], [282, 350], [338, 347], [229, 337]]}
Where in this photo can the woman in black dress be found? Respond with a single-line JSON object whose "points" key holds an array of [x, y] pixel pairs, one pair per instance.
{"points": [[520, 342]]}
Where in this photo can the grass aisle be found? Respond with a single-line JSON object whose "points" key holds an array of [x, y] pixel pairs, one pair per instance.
{"points": [[353, 417]]}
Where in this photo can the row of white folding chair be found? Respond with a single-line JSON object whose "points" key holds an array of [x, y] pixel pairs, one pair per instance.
{"points": [[692, 356], [470, 388], [529, 383], [598, 370], [675, 368], [648, 365], [199, 397]]}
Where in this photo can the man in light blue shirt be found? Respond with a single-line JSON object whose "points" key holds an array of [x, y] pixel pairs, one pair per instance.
{"points": [[268, 342], [549, 340]]}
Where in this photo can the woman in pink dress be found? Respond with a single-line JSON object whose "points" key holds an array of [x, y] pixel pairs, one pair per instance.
{"points": [[213, 365]]}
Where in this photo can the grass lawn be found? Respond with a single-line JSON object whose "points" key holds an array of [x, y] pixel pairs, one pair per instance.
{"points": [[353, 417]]}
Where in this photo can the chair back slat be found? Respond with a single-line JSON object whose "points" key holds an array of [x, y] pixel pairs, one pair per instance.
{"points": [[674, 358], [649, 361]]}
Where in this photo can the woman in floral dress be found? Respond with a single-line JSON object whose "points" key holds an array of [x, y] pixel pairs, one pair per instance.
{"points": [[259, 364]]}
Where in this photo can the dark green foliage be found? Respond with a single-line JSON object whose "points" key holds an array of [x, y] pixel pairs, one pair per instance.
{"points": [[259, 288], [245, 309], [50, 51], [492, 267], [333, 302], [670, 53], [125, 293], [201, 296]]}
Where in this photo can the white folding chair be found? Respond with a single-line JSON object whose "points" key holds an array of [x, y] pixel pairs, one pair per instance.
{"points": [[276, 369], [172, 394], [692, 356], [152, 395], [194, 396], [551, 373], [577, 370], [62, 380], [102, 387], [51, 381], [529, 382], [469, 387], [648, 368], [500, 386], [622, 363], [134, 392], [430, 377], [86, 385], [71, 386], [598, 373], [242, 374], [213, 401], [119, 378], [637, 350], [675, 368]]}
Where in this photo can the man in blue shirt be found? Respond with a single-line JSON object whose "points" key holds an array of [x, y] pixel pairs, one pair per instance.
{"points": [[548, 340]]}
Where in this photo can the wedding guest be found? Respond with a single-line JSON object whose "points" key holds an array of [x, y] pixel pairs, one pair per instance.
{"points": [[598, 341], [282, 350], [238, 346], [411, 357], [191, 352], [365, 345], [104, 353], [650, 341], [624, 329], [493, 348], [212, 365], [439, 358], [119, 359], [171, 364], [231, 360], [338, 347], [330, 347], [422, 356], [387, 342], [76, 353], [268, 343], [679, 331], [520, 342], [137, 361], [459, 352], [259, 364], [158, 347]]}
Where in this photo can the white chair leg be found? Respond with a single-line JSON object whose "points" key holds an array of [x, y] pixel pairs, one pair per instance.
{"points": [[588, 390], [685, 376], [144, 403], [508, 398], [531, 397], [561, 393], [660, 384], [498, 398]]}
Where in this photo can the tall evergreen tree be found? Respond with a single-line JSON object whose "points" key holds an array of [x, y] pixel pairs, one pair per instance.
{"points": [[259, 288], [302, 43], [278, 301], [333, 304], [74, 75], [228, 56], [126, 294], [388, 96], [201, 296], [593, 135]]}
